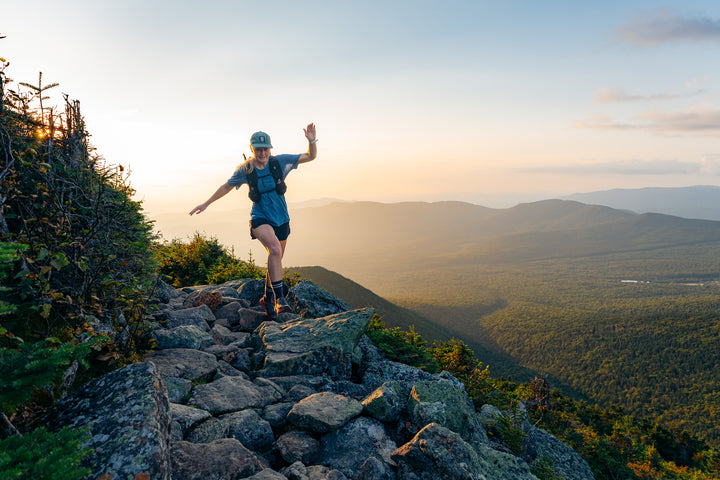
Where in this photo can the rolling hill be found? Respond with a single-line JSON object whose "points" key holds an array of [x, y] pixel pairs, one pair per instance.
{"points": [[699, 201]]}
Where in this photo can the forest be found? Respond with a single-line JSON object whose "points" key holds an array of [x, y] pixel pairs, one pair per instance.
{"points": [[612, 306]]}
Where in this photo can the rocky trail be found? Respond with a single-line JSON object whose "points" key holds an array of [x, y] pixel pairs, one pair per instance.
{"points": [[228, 394]]}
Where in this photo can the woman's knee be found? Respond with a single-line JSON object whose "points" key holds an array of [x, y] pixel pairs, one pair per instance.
{"points": [[275, 250]]}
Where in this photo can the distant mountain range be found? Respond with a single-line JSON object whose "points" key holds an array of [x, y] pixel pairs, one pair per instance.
{"points": [[700, 201], [367, 240]]}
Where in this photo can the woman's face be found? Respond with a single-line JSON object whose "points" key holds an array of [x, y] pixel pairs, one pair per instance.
{"points": [[262, 154]]}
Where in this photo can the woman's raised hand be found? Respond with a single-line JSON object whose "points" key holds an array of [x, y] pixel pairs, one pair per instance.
{"points": [[310, 133]]}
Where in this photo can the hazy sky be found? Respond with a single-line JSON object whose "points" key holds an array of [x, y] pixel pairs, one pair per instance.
{"points": [[421, 100]]}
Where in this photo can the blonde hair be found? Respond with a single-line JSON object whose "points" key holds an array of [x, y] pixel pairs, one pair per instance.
{"points": [[247, 165]]}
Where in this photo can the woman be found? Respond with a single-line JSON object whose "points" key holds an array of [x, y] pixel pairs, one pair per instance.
{"points": [[269, 218]]}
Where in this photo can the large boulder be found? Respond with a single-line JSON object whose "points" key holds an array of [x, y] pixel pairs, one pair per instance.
{"points": [[348, 448], [230, 394], [248, 428], [184, 363], [385, 403], [224, 459], [165, 292], [312, 346], [324, 412], [183, 336], [437, 453], [127, 412], [208, 297], [311, 301], [296, 446], [202, 317], [541, 446], [444, 401], [184, 418], [406, 376]]}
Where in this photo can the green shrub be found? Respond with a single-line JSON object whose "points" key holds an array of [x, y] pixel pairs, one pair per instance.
{"points": [[43, 455], [32, 368], [202, 261], [400, 346], [544, 470]]}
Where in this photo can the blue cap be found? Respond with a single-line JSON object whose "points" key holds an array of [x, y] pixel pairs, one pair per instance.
{"points": [[260, 140]]}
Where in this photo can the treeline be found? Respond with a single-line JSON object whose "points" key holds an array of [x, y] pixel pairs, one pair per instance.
{"points": [[76, 268], [615, 444]]}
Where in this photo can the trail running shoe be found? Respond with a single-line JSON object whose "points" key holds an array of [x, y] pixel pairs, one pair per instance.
{"points": [[281, 306], [269, 310]]}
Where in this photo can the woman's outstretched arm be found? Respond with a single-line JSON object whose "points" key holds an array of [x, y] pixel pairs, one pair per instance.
{"points": [[220, 192]]}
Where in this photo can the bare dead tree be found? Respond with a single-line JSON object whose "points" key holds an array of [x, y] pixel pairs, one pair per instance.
{"points": [[39, 90]]}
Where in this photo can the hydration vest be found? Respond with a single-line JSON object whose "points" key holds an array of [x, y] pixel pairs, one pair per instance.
{"points": [[277, 174]]}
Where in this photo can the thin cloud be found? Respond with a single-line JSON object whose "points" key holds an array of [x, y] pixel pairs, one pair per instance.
{"points": [[705, 122], [627, 167], [661, 26], [615, 94]]}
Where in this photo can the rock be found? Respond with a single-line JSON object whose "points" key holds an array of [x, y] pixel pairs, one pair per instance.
{"points": [[445, 402], [567, 463], [312, 347], [128, 415], [295, 446], [265, 382], [184, 363], [252, 291], [177, 388], [223, 336], [324, 412], [385, 403], [276, 414], [249, 319], [230, 394], [249, 429], [184, 336], [310, 381], [298, 471], [320, 472], [232, 354], [208, 297], [348, 388], [226, 370], [229, 312], [406, 376], [224, 459], [164, 292], [267, 474], [208, 431], [311, 301], [503, 465], [348, 448], [184, 418], [298, 392], [374, 469], [202, 317], [437, 453], [227, 291]]}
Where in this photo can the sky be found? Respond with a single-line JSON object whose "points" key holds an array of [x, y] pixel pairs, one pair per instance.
{"points": [[487, 102]]}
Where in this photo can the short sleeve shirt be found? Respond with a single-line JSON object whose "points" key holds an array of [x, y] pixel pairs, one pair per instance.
{"points": [[271, 207]]}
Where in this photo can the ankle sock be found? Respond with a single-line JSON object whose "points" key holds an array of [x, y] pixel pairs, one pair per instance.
{"points": [[278, 289]]}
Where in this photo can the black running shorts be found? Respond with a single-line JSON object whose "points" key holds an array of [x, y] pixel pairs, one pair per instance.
{"points": [[282, 232]]}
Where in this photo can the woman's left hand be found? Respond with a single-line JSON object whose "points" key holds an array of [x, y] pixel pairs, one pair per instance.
{"points": [[310, 133]]}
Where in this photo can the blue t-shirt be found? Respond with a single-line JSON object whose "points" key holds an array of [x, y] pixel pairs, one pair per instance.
{"points": [[271, 206]]}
